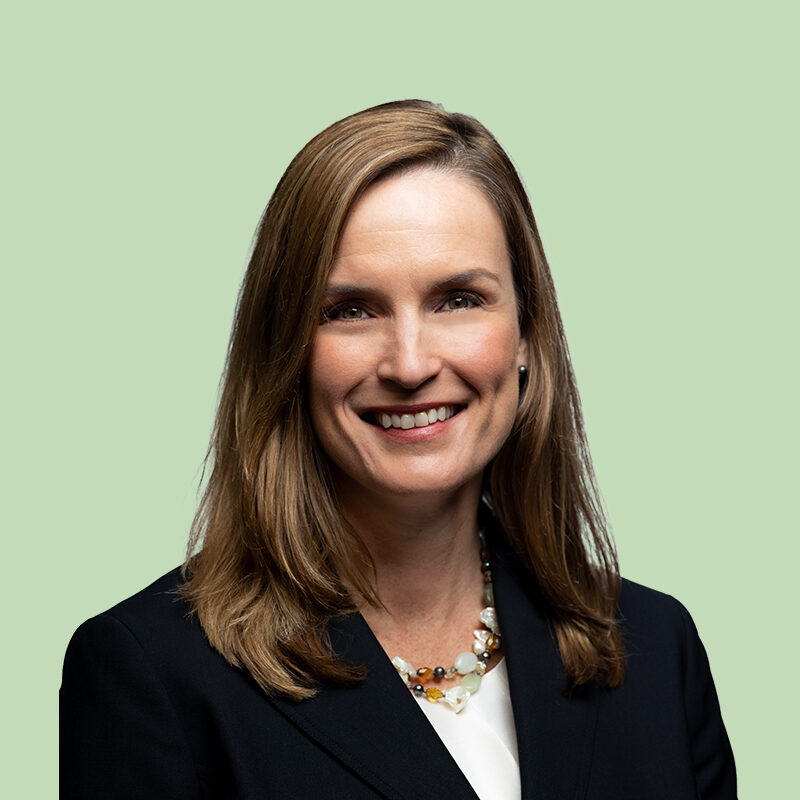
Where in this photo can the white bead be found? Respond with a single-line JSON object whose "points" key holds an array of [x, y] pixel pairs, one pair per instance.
{"points": [[465, 662], [489, 619], [456, 698], [403, 667], [479, 645]]}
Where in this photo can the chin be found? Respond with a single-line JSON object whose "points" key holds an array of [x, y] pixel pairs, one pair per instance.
{"points": [[419, 484]]}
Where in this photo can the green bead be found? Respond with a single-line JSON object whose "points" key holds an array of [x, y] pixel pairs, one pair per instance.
{"points": [[488, 594], [471, 682], [465, 662]]}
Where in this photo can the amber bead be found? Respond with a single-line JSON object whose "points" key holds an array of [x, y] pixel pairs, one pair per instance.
{"points": [[433, 694], [492, 643], [424, 674]]}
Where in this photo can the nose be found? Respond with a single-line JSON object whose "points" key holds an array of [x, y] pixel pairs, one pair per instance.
{"points": [[410, 356]]}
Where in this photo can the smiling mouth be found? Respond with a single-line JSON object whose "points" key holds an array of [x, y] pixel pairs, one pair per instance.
{"points": [[406, 421]]}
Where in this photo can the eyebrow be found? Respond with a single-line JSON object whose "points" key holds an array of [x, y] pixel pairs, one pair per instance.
{"points": [[466, 277], [459, 279]]}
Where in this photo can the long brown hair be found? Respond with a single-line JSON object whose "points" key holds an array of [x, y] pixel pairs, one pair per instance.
{"points": [[275, 553]]}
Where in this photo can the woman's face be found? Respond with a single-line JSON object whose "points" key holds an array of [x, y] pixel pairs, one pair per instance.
{"points": [[413, 376]]}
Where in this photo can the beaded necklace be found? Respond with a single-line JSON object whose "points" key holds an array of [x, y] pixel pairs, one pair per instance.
{"points": [[470, 665]]}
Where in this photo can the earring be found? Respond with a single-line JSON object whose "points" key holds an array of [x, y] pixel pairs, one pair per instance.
{"points": [[523, 373]]}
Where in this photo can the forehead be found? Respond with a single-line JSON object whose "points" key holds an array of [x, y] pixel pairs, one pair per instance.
{"points": [[423, 215]]}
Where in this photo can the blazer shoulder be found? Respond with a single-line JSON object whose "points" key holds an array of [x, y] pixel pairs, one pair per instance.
{"points": [[125, 689], [652, 618], [162, 596], [664, 650], [636, 600], [156, 617]]}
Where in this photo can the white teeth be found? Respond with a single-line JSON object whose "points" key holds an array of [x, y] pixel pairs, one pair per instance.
{"points": [[419, 420]]}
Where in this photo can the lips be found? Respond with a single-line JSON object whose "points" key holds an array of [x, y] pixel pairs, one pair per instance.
{"points": [[408, 418]]}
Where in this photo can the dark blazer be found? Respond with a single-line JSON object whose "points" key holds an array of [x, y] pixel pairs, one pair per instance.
{"points": [[149, 710]]}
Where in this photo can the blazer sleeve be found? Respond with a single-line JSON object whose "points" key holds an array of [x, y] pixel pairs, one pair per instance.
{"points": [[119, 734], [715, 772]]}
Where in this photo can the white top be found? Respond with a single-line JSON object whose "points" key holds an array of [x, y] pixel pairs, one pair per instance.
{"points": [[481, 737]]}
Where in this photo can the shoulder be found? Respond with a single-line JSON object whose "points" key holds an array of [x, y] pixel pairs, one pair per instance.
{"points": [[640, 604], [156, 624], [158, 604], [660, 638], [650, 617], [139, 679], [648, 612], [669, 678]]}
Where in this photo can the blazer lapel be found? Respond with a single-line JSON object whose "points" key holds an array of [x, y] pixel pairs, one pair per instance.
{"points": [[376, 728], [555, 734]]}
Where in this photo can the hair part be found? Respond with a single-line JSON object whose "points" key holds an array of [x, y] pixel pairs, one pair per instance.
{"points": [[269, 554]]}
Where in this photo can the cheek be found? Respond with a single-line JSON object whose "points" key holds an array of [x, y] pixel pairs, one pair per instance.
{"points": [[491, 356], [337, 366], [332, 367], [322, 386], [321, 378]]}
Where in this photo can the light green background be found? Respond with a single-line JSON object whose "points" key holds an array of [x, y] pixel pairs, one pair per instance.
{"points": [[658, 144]]}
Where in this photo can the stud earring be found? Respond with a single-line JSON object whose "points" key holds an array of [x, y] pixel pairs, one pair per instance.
{"points": [[523, 372]]}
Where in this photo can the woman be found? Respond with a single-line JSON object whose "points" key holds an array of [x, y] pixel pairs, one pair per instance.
{"points": [[403, 585]]}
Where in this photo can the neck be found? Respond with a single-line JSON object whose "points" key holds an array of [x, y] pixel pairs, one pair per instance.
{"points": [[424, 548]]}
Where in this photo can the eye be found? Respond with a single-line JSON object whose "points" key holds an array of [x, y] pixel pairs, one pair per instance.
{"points": [[461, 301], [347, 312], [351, 312]]}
